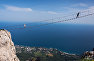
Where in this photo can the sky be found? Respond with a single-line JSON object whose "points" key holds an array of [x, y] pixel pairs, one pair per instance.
{"points": [[38, 10]]}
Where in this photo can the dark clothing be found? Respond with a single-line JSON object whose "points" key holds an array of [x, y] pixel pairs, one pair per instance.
{"points": [[93, 49], [77, 15], [38, 59]]}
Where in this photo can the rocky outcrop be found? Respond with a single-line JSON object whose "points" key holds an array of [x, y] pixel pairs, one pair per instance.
{"points": [[7, 48]]}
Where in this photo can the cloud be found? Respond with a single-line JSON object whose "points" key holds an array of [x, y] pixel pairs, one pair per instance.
{"points": [[14, 13], [83, 11], [14, 8], [72, 10], [83, 5], [76, 7], [89, 9], [92, 7], [51, 12], [80, 5]]}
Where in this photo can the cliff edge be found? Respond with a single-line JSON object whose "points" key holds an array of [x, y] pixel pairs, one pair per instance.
{"points": [[7, 48]]}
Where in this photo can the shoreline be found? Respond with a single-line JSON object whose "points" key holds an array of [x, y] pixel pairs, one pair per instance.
{"points": [[48, 48]]}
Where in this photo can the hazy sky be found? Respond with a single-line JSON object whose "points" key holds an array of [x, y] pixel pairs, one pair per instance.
{"points": [[37, 10]]}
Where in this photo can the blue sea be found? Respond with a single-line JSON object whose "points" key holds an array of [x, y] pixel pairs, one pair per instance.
{"points": [[71, 38]]}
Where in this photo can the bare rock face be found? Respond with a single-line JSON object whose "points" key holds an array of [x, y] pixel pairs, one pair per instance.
{"points": [[7, 48]]}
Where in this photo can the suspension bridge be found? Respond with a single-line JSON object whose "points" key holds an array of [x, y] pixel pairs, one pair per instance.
{"points": [[70, 17]]}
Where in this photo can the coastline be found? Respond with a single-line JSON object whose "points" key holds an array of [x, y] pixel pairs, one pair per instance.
{"points": [[48, 48], [25, 53]]}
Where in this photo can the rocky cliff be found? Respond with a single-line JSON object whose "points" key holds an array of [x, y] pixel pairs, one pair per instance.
{"points": [[7, 48]]}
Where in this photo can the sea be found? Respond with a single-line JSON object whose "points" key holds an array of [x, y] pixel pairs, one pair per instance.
{"points": [[70, 38]]}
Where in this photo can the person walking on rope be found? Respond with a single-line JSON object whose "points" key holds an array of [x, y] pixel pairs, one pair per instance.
{"points": [[78, 15]]}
